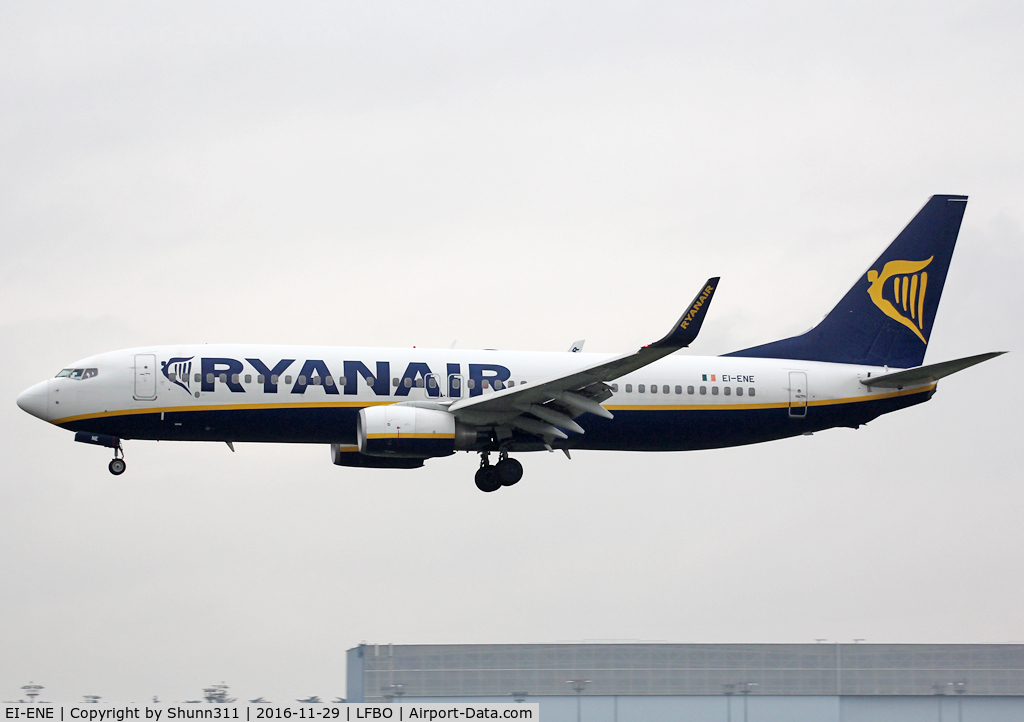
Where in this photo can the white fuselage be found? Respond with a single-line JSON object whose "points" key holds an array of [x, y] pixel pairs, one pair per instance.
{"points": [[312, 393]]}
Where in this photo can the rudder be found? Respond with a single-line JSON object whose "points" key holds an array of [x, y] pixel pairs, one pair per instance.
{"points": [[886, 318]]}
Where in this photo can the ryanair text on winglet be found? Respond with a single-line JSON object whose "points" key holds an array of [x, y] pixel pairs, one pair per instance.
{"points": [[696, 306]]}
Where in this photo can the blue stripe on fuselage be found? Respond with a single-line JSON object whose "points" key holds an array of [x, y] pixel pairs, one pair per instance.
{"points": [[646, 429]]}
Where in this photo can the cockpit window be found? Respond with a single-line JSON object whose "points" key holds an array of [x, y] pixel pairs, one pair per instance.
{"points": [[78, 374]]}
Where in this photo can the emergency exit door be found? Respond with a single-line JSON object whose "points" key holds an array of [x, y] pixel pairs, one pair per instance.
{"points": [[145, 376], [797, 394]]}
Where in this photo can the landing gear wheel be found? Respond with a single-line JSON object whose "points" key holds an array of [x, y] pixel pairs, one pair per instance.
{"points": [[116, 466], [486, 479], [508, 471]]}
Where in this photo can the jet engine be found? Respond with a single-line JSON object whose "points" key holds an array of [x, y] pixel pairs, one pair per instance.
{"points": [[411, 432], [348, 455]]}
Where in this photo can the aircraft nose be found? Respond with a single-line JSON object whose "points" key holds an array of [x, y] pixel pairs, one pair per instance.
{"points": [[33, 400]]}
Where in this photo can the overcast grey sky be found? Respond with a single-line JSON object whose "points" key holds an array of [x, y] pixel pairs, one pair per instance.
{"points": [[513, 176]]}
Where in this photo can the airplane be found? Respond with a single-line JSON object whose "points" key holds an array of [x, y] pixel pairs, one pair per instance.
{"points": [[394, 408]]}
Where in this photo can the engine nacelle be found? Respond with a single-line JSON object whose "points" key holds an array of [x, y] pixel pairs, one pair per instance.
{"points": [[410, 432], [348, 455]]}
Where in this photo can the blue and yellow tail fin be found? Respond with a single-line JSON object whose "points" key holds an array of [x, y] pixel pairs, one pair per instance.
{"points": [[886, 318]]}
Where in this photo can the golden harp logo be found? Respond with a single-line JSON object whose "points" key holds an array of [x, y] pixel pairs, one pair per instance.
{"points": [[908, 286]]}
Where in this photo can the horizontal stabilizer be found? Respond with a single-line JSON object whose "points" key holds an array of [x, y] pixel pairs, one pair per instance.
{"points": [[927, 374]]}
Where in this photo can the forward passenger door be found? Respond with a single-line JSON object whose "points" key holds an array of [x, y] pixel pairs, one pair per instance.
{"points": [[797, 394], [145, 376]]}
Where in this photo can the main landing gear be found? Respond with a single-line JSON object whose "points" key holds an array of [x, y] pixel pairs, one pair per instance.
{"points": [[117, 465], [505, 473]]}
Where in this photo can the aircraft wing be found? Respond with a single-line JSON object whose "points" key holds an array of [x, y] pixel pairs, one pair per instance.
{"points": [[546, 407], [925, 374]]}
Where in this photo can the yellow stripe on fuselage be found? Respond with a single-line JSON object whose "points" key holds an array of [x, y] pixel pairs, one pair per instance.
{"points": [[410, 436], [363, 404], [223, 407]]}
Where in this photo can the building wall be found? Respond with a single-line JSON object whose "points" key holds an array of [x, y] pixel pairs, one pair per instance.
{"points": [[355, 675], [776, 708], [651, 670]]}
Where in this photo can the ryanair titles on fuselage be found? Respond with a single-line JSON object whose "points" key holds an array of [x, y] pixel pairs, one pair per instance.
{"points": [[315, 372]]}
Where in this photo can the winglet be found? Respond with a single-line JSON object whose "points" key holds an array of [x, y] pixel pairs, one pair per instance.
{"points": [[688, 325]]}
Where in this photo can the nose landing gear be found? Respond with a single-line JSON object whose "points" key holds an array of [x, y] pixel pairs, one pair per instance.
{"points": [[117, 465], [505, 473]]}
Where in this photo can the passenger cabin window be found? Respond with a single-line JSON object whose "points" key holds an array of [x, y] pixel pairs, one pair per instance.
{"points": [[615, 388], [471, 384], [497, 384], [728, 390], [511, 384], [679, 390], [750, 391], [328, 381], [407, 383], [234, 378], [395, 381], [456, 383], [287, 379], [342, 381], [714, 391], [209, 378], [640, 388], [739, 390], [419, 383], [302, 379], [629, 388], [199, 377], [223, 378], [703, 390], [317, 381], [248, 378], [689, 390], [172, 377], [654, 388], [261, 379]]}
